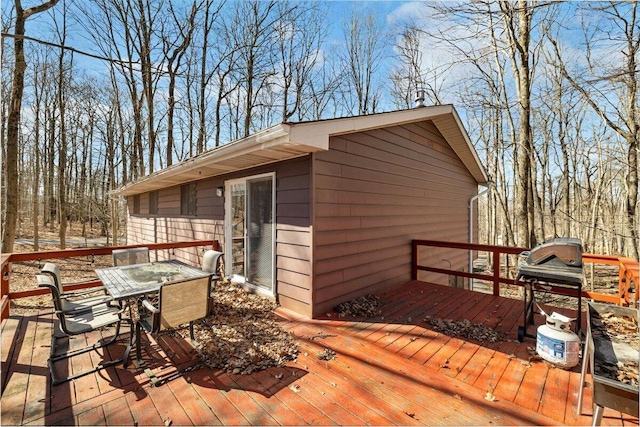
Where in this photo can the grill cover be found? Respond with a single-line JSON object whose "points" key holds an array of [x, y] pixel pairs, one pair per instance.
{"points": [[564, 251]]}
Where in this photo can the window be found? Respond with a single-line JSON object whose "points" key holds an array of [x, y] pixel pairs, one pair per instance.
{"points": [[153, 203], [188, 199], [136, 204]]}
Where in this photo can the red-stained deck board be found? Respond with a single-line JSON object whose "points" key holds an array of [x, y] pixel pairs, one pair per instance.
{"points": [[530, 391], [445, 392], [143, 410], [117, 412], [390, 369], [210, 389], [349, 393], [180, 404], [276, 381], [554, 397], [92, 417], [271, 405], [509, 384], [242, 400], [383, 406], [335, 404], [389, 388]]}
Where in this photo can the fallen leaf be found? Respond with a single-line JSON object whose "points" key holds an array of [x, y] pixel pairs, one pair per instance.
{"points": [[490, 397]]}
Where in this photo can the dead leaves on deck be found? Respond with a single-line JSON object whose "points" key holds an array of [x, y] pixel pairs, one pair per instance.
{"points": [[364, 306], [622, 331], [242, 335], [464, 329]]}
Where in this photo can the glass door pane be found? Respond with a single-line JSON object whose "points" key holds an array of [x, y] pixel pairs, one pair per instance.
{"points": [[237, 218], [259, 241]]}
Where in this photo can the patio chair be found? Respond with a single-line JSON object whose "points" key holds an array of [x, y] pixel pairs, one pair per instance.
{"points": [[180, 302], [76, 323], [211, 263], [130, 256], [74, 301]]}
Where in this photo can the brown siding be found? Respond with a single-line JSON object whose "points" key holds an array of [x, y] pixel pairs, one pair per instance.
{"points": [[169, 226], [293, 235], [376, 191]]}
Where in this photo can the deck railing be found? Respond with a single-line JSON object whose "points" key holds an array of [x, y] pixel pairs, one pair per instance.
{"points": [[7, 259], [628, 270]]}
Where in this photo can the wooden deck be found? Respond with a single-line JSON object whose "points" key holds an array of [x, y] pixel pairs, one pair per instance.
{"points": [[392, 369]]}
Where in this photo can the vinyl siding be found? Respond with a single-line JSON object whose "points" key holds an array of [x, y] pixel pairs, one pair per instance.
{"points": [[169, 226], [293, 226], [373, 193]]}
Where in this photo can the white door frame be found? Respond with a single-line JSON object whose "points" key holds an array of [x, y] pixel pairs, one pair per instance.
{"points": [[228, 245]]}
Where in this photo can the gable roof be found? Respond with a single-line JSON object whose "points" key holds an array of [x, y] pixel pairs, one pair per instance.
{"points": [[289, 140]]}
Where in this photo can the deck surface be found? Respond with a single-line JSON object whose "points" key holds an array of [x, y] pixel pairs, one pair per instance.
{"points": [[393, 369]]}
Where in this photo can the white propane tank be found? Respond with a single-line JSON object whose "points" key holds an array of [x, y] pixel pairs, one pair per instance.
{"points": [[556, 342]]}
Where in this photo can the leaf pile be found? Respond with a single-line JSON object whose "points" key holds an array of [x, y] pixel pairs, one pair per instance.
{"points": [[464, 329], [327, 354], [364, 306], [242, 335], [617, 338]]}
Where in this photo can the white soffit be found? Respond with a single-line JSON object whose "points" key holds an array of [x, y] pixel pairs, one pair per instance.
{"points": [[290, 140]]}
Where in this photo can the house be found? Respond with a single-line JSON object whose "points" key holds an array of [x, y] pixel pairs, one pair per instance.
{"points": [[321, 212]]}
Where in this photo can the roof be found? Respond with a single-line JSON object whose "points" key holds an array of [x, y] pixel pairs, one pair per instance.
{"points": [[289, 140]]}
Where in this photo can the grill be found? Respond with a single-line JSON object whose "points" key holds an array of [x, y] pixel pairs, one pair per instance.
{"points": [[554, 266]]}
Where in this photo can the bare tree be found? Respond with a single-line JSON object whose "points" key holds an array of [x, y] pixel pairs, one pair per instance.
{"points": [[611, 89], [13, 123], [299, 35], [364, 52], [175, 50]]}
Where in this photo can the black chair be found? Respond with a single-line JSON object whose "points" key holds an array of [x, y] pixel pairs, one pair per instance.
{"points": [[130, 256], [180, 302], [74, 301], [79, 322]]}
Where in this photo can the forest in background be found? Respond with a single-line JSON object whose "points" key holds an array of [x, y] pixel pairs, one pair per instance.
{"points": [[101, 92]]}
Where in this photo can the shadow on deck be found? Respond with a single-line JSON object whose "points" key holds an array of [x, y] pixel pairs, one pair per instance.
{"points": [[389, 369]]}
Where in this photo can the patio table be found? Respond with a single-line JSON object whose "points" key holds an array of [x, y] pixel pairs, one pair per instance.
{"points": [[126, 283], [130, 281]]}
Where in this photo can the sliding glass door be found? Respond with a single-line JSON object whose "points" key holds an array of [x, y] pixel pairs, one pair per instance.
{"points": [[250, 230]]}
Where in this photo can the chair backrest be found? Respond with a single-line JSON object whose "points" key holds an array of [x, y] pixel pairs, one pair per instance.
{"points": [[211, 261], [46, 281], [183, 301], [53, 270], [130, 256]]}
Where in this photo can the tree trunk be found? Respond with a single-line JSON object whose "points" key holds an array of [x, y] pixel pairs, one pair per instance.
{"points": [[13, 123]]}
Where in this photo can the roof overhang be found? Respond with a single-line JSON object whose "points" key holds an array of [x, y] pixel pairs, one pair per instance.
{"points": [[290, 140]]}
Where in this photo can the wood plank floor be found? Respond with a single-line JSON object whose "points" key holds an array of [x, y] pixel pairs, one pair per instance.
{"points": [[390, 370]]}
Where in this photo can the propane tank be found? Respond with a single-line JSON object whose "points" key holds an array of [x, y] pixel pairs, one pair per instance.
{"points": [[556, 342]]}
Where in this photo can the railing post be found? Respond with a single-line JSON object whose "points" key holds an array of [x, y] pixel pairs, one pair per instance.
{"points": [[496, 273], [4, 289], [414, 260]]}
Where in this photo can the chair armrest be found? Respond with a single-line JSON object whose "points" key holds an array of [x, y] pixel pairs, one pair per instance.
{"points": [[145, 302], [85, 309], [71, 294]]}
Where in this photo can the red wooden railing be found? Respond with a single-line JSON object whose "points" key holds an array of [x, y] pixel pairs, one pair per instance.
{"points": [[6, 295], [627, 267], [628, 270]]}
